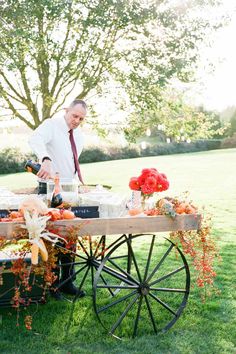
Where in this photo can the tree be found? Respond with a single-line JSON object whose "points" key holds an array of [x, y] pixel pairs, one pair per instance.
{"points": [[176, 120], [233, 125], [148, 85], [51, 49]]}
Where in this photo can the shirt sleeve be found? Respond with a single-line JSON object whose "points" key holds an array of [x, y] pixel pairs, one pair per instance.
{"points": [[40, 138]]}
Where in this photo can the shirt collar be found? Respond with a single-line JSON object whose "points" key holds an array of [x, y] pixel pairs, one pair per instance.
{"points": [[63, 125]]}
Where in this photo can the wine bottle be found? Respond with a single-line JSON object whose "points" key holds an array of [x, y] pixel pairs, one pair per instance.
{"points": [[56, 194], [33, 167]]}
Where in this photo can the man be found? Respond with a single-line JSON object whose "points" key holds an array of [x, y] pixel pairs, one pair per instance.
{"points": [[51, 142], [58, 142]]}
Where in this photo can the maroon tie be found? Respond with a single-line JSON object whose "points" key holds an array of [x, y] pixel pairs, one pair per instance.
{"points": [[75, 155]]}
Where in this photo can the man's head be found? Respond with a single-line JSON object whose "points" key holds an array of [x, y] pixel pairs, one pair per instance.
{"points": [[75, 113]]}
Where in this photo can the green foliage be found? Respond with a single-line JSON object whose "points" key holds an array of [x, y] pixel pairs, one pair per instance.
{"points": [[229, 142], [232, 129], [93, 155], [58, 47], [108, 153], [55, 48], [133, 151], [179, 120], [12, 160]]}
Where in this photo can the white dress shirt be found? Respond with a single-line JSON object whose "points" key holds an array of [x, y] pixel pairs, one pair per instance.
{"points": [[51, 139]]}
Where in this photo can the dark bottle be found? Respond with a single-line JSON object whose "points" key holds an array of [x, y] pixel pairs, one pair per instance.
{"points": [[33, 167], [56, 194]]}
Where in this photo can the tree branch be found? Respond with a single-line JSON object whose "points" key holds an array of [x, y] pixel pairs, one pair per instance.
{"points": [[43, 70], [21, 99], [64, 99], [28, 101], [13, 109], [61, 52], [59, 76]]}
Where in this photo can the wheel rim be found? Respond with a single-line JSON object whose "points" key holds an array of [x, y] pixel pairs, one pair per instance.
{"points": [[152, 296], [85, 260]]}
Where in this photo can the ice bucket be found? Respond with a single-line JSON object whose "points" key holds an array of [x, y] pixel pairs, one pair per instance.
{"points": [[69, 191]]}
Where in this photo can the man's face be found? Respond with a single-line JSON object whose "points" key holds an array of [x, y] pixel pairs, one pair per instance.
{"points": [[75, 116]]}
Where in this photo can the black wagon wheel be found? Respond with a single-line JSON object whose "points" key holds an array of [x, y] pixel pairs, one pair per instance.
{"points": [[85, 259], [151, 296]]}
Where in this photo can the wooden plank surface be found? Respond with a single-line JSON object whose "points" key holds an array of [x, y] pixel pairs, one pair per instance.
{"points": [[114, 226]]}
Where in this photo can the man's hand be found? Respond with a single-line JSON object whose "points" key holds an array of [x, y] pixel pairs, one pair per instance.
{"points": [[45, 171]]}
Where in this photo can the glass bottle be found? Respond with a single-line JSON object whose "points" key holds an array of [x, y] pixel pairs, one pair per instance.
{"points": [[56, 194], [33, 167]]}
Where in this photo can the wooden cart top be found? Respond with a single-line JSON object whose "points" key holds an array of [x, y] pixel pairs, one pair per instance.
{"points": [[123, 225]]}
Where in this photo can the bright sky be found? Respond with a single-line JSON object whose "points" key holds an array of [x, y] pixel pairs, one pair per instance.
{"points": [[217, 90]]}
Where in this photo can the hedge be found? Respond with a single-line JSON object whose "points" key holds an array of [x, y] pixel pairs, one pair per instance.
{"points": [[132, 151], [229, 143], [12, 160]]}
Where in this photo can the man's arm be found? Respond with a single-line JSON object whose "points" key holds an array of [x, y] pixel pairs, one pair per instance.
{"points": [[38, 143]]}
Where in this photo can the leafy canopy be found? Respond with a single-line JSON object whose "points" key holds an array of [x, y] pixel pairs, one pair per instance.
{"points": [[53, 50]]}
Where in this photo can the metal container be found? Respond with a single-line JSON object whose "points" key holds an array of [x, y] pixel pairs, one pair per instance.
{"points": [[68, 190]]}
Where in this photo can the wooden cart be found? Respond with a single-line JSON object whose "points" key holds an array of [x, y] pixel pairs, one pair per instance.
{"points": [[140, 280]]}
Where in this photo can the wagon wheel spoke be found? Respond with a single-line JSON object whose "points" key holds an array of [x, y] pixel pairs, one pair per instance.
{"points": [[130, 249], [103, 246], [71, 276], [124, 313], [83, 248], [81, 283], [141, 304], [84, 277], [137, 316], [118, 257], [100, 243], [121, 299], [92, 255], [77, 255], [122, 271], [171, 290], [115, 286], [105, 282], [92, 274], [90, 246], [167, 275], [163, 304], [111, 245], [149, 257], [71, 263], [160, 263], [150, 314], [117, 275], [70, 252]]}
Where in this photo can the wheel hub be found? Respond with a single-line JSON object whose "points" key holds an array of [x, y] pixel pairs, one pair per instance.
{"points": [[144, 289], [90, 260]]}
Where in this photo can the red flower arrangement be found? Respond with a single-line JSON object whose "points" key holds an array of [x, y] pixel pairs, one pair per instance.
{"points": [[149, 181]]}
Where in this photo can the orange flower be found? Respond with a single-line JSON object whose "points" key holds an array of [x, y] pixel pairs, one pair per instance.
{"points": [[134, 184], [149, 181]]}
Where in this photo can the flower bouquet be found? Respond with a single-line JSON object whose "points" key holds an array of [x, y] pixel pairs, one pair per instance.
{"points": [[149, 182]]}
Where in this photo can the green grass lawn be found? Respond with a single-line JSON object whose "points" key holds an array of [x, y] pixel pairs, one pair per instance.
{"points": [[203, 327]]}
